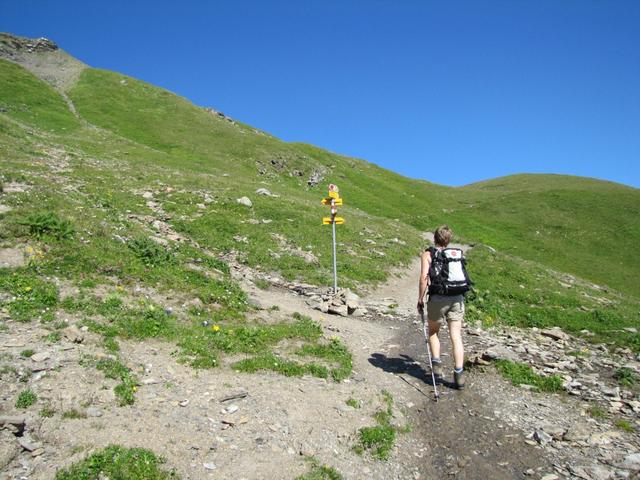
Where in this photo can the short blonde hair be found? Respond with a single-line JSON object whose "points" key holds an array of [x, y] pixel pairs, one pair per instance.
{"points": [[442, 235]]}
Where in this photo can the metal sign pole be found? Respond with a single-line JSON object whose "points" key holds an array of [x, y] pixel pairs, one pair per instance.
{"points": [[333, 200], [335, 265]]}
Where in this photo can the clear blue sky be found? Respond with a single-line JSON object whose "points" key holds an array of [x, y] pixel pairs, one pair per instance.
{"points": [[452, 92]]}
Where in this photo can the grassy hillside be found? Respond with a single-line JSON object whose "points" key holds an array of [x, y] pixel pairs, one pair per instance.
{"points": [[194, 164], [564, 222], [30, 100]]}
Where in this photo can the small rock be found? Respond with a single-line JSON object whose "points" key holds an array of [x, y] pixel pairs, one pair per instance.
{"points": [[209, 466], [610, 392], [555, 334], [184, 403], [500, 352], [556, 431], [604, 438], [73, 334], [595, 472], [341, 310], [12, 258], [231, 421], [230, 409], [542, 437], [147, 195], [635, 405], [37, 452], [245, 201], [16, 421], [344, 408], [306, 451], [40, 357], [265, 192], [576, 434], [549, 476], [315, 178], [631, 462], [26, 444], [94, 412], [350, 296], [615, 406]]}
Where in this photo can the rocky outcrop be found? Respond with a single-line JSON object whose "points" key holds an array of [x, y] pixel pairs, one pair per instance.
{"points": [[43, 58], [12, 45], [219, 115]]}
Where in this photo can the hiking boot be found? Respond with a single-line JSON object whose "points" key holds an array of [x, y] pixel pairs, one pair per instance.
{"points": [[437, 371], [458, 378]]}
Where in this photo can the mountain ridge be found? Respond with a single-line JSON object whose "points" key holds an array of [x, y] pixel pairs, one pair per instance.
{"points": [[20, 50]]}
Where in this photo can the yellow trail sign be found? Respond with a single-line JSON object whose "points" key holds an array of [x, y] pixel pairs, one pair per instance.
{"points": [[336, 201], [329, 220]]}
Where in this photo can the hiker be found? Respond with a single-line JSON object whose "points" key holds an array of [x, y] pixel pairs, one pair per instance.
{"points": [[442, 271]]}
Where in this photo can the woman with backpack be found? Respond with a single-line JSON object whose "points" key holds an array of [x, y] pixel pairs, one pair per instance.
{"points": [[443, 272]]}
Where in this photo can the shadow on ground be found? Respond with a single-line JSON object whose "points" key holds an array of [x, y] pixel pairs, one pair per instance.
{"points": [[405, 365]]}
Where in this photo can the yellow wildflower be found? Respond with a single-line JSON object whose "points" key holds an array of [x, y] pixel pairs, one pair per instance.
{"points": [[215, 328], [27, 289]]}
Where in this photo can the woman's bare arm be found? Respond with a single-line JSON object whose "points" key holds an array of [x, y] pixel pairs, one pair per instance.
{"points": [[425, 263]]}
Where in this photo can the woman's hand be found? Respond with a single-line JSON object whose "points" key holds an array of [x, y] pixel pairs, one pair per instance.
{"points": [[420, 306]]}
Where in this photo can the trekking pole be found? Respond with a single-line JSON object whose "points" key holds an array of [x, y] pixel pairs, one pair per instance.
{"points": [[425, 329]]}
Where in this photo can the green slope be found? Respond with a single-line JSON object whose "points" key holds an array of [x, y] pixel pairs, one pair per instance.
{"points": [[567, 223], [586, 227], [28, 99], [150, 139]]}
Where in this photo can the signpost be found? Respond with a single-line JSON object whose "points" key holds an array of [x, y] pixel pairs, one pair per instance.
{"points": [[333, 200]]}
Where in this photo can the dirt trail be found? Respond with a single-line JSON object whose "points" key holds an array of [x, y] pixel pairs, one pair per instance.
{"points": [[463, 435], [459, 435]]}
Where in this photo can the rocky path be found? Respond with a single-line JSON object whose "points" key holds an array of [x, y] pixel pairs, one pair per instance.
{"points": [[495, 430], [457, 436], [464, 437]]}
